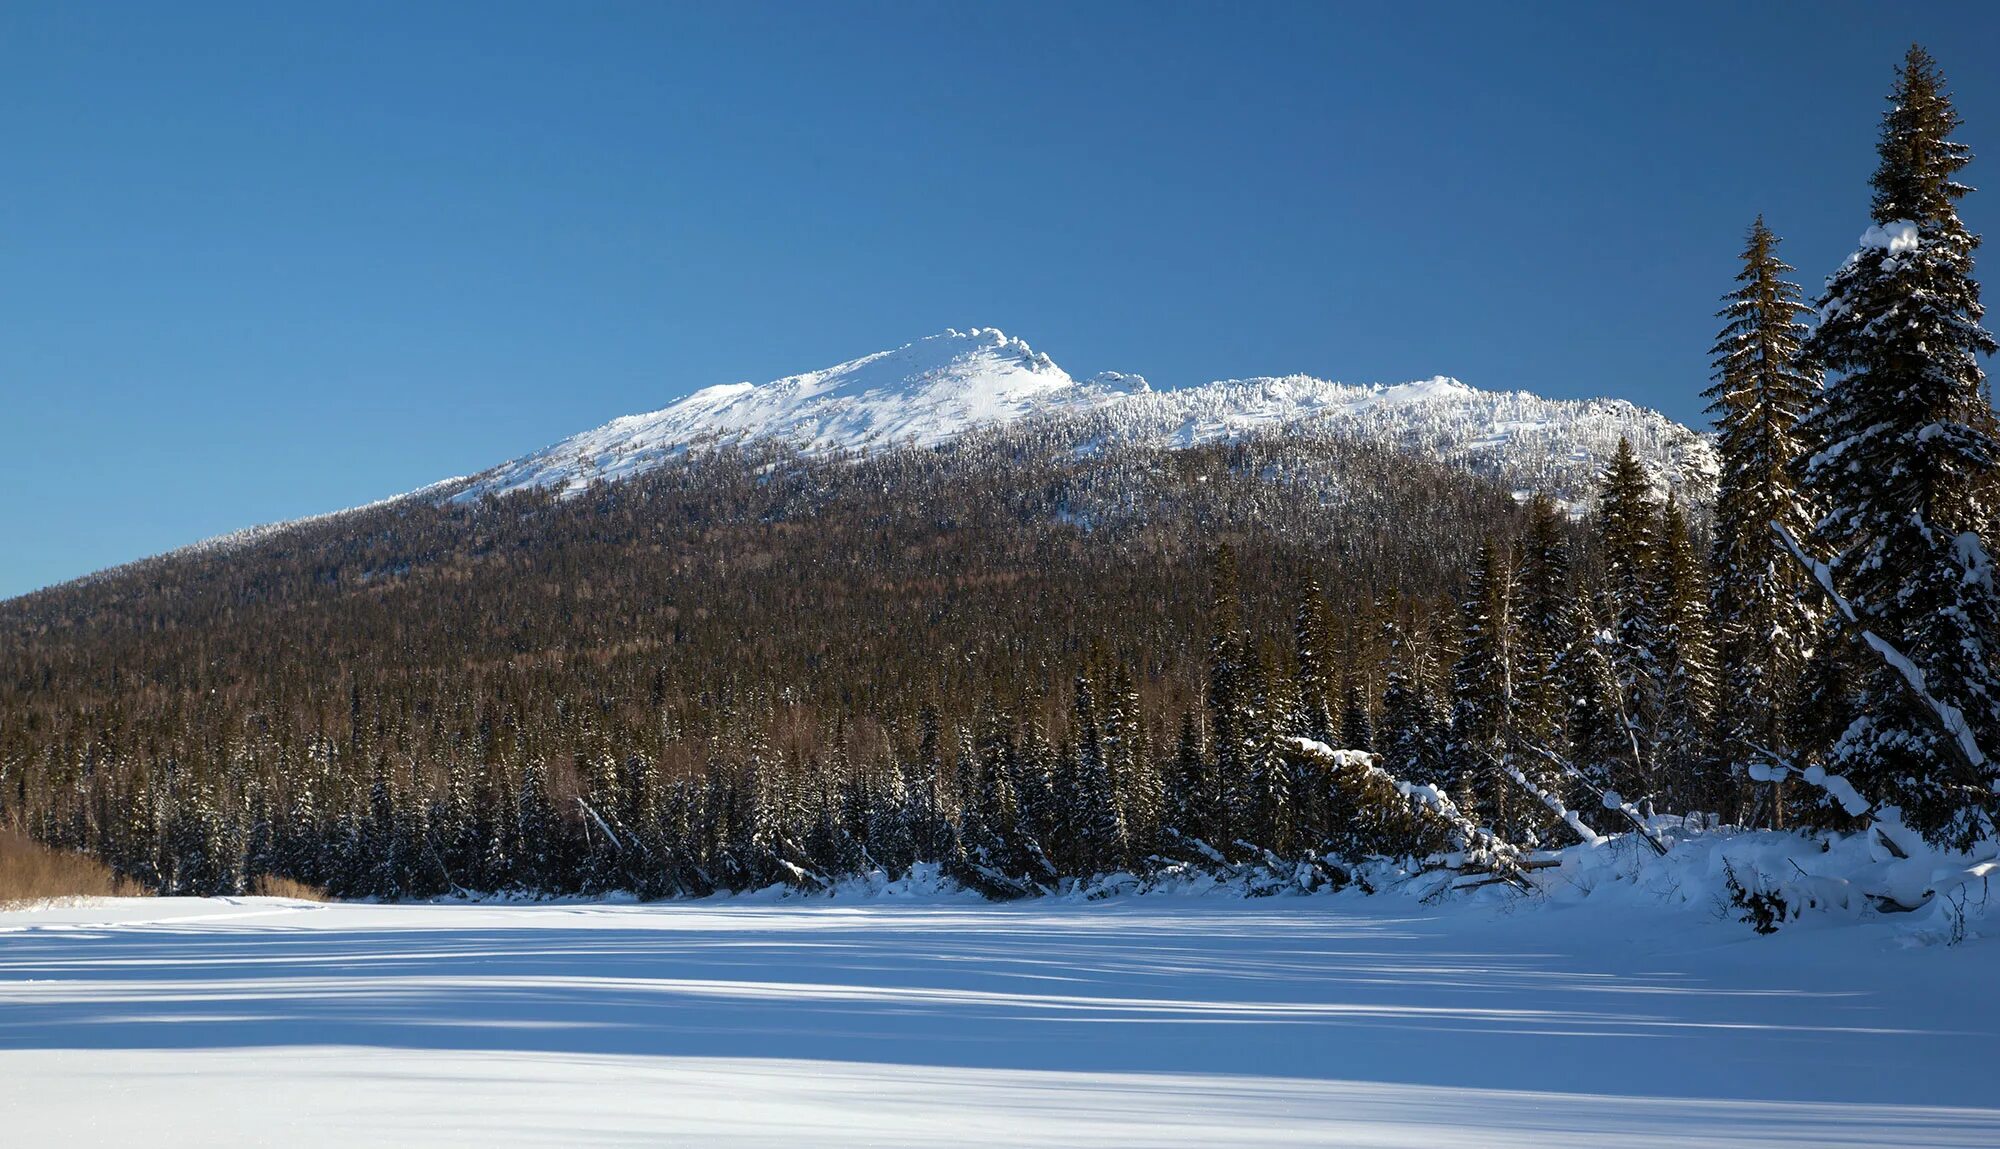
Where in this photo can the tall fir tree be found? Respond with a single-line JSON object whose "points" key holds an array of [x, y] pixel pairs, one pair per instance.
{"points": [[1603, 746], [1544, 626], [1416, 719], [1628, 524], [1686, 666], [1192, 781], [1098, 842], [1357, 722], [1764, 621], [1313, 643], [1228, 701], [1905, 467]]}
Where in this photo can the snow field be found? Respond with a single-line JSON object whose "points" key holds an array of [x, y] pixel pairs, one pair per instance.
{"points": [[1335, 1020]]}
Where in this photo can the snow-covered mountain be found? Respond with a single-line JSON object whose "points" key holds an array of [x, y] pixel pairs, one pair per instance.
{"points": [[936, 389]]}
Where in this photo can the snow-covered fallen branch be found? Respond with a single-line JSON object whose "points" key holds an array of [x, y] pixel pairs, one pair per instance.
{"points": [[1555, 806], [1610, 800], [1887, 821], [1479, 847], [615, 843]]}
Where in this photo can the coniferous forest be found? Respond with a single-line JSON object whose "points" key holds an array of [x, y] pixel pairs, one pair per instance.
{"points": [[1027, 666]]}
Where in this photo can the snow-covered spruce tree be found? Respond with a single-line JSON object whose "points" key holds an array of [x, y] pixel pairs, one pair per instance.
{"points": [[1097, 839], [1190, 779], [1686, 665], [1416, 720], [886, 801], [990, 825], [1267, 814], [1545, 630], [1905, 469], [496, 869], [603, 866], [1141, 796], [1034, 796], [1764, 621], [459, 829], [538, 862], [384, 837], [934, 837], [1628, 526], [1357, 723], [1482, 690], [1601, 742], [139, 857], [1228, 704], [1313, 640]]}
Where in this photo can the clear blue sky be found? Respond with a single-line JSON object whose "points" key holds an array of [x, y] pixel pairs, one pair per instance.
{"points": [[274, 259]]}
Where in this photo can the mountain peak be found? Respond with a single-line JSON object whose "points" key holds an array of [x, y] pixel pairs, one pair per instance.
{"points": [[1436, 387], [919, 394], [937, 388]]}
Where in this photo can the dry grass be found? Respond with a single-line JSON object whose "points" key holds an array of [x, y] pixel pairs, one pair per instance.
{"points": [[274, 887], [31, 872]]}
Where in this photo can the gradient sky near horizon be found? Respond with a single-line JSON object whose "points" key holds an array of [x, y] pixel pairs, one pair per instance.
{"points": [[272, 260]]}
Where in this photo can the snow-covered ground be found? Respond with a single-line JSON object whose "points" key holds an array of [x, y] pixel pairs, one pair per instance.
{"points": [[1328, 1021]]}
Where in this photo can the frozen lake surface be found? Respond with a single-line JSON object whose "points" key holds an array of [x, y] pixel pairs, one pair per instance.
{"points": [[1328, 1021]]}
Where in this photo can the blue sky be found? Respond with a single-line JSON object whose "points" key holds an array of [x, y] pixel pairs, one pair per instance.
{"points": [[271, 260]]}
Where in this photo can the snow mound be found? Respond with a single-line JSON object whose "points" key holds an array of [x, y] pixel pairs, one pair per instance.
{"points": [[1895, 237]]}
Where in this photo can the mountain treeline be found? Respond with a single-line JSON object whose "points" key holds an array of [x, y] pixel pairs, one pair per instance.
{"points": [[1026, 664]]}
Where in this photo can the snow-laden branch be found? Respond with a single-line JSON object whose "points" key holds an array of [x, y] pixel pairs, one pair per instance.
{"points": [[1887, 821], [1555, 805], [1609, 799], [1958, 732], [620, 846]]}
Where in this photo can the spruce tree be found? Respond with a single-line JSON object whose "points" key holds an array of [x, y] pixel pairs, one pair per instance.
{"points": [[1764, 622], [1686, 664], [1483, 689], [1192, 781], [1602, 744], [1228, 701], [1264, 805], [1416, 716], [1905, 467], [1357, 723], [1141, 791], [1543, 625], [1628, 524], [1097, 839], [991, 827], [1314, 652]]}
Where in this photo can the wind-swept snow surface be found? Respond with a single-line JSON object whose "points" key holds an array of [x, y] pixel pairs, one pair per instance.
{"points": [[1332, 1021]]}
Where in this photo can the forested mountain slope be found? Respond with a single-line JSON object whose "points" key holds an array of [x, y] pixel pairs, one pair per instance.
{"points": [[737, 616]]}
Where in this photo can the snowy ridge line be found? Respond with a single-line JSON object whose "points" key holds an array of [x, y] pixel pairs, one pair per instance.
{"points": [[937, 389]]}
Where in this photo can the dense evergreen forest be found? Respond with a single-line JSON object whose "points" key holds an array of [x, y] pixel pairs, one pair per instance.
{"points": [[1028, 665]]}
